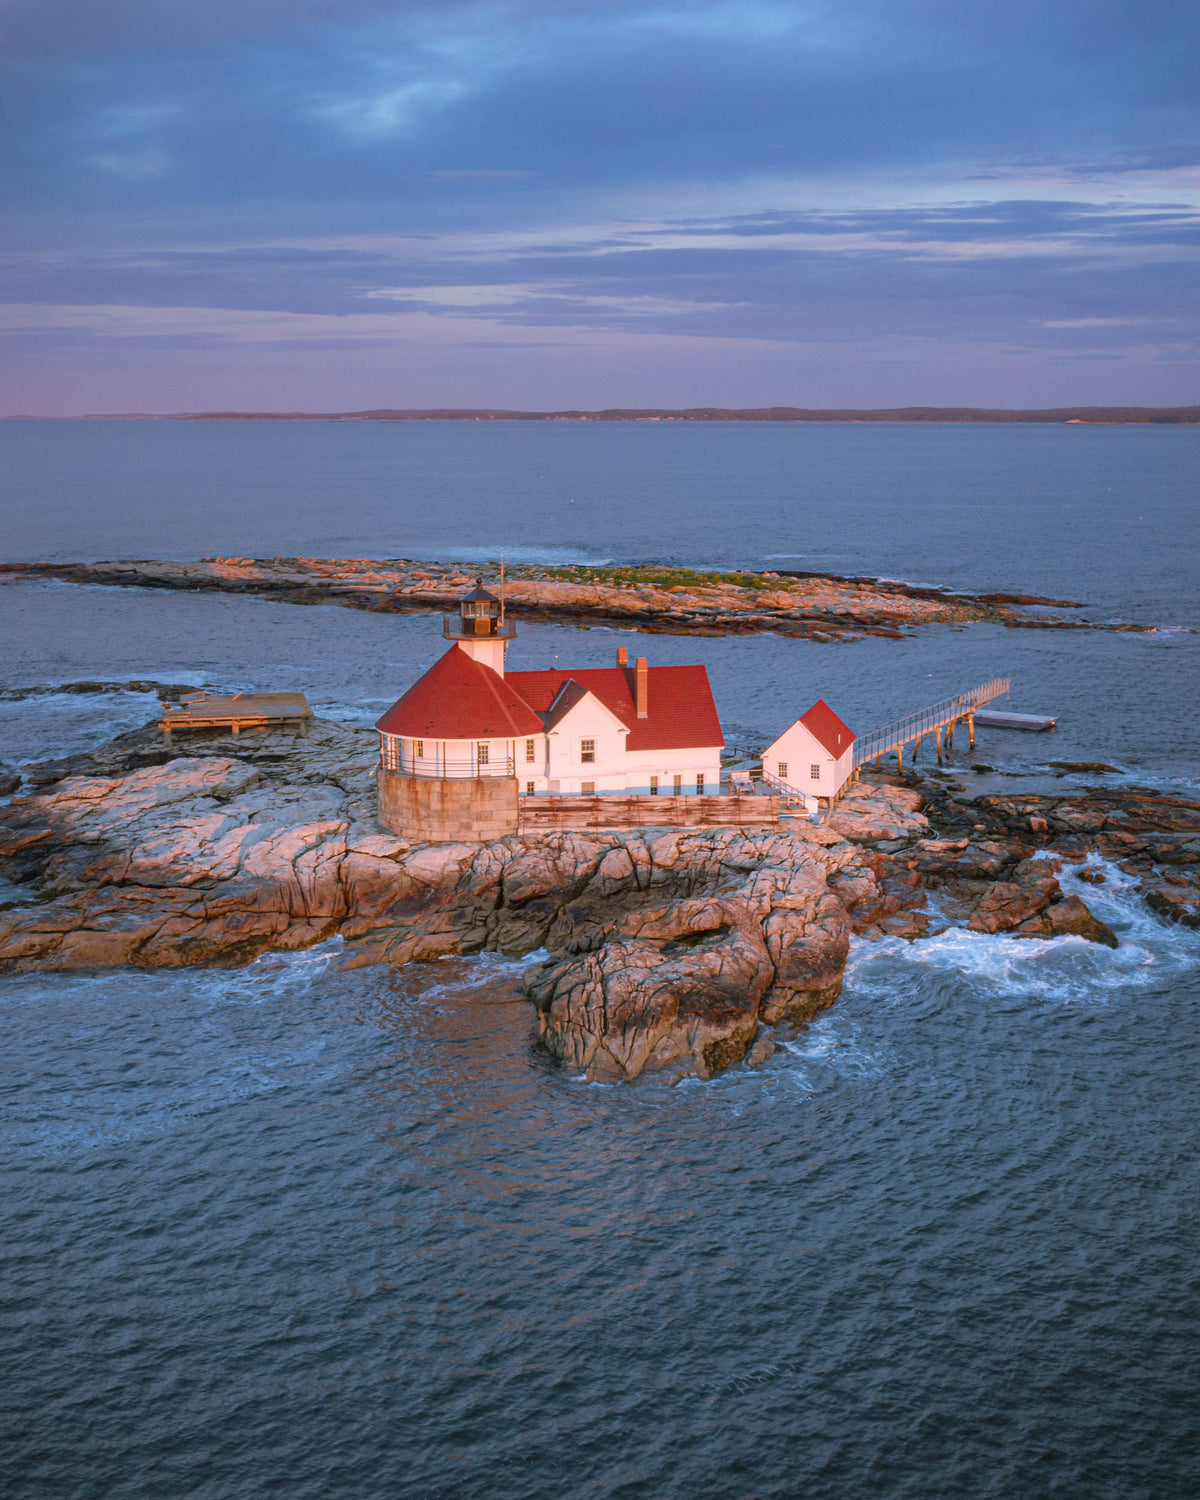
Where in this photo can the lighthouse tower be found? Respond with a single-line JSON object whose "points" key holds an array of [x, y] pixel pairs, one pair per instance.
{"points": [[480, 627]]}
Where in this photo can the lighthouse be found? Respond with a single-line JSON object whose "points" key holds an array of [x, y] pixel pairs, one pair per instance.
{"points": [[480, 627], [461, 749]]}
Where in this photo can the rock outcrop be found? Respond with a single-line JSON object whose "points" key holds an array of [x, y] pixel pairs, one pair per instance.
{"points": [[819, 606], [664, 949]]}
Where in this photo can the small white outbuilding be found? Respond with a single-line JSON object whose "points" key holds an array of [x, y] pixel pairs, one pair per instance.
{"points": [[815, 755]]}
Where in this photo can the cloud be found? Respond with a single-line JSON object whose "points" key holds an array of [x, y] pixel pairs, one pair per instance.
{"points": [[782, 173]]}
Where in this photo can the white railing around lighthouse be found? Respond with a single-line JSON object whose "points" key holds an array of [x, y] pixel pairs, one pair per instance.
{"points": [[398, 760]]}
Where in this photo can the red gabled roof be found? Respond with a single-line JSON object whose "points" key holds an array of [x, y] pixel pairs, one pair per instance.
{"points": [[825, 727], [460, 699], [682, 713]]}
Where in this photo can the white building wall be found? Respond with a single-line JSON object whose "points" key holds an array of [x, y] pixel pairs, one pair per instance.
{"points": [[688, 764], [588, 721], [797, 752]]}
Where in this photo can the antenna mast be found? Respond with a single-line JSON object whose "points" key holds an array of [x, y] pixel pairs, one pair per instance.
{"points": [[502, 591]]}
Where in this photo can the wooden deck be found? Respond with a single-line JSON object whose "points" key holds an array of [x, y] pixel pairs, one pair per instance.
{"points": [[253, 711]]}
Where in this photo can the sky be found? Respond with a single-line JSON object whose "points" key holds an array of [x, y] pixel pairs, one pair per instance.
{"points": [[543, 204]]}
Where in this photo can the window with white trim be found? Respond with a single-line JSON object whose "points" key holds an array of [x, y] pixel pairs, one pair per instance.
{"points": [[587, 788], [814, 773], [783, 770], [587, 751], [530, 750], [482, 752], [419, 749], [654, 786], [700, 784], [529, 788], [678, 784]]}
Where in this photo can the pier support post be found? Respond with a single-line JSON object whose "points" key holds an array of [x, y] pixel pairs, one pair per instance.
{"points": [[971, 729], [899, 759], [916, 749], [937, 734]]}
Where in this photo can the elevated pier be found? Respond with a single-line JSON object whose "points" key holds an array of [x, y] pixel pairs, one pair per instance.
{"points": [[939, 720]]}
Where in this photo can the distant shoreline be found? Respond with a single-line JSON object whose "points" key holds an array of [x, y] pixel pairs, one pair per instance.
{"points": [[1103, 416]]}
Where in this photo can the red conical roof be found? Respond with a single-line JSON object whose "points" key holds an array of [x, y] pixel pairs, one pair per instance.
{"points": [[460, 699]]}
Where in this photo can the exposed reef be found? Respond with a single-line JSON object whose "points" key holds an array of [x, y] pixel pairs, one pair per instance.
{"points": [[676, 601], [664, 948]]}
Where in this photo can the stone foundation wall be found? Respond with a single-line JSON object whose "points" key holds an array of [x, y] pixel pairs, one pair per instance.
{"points": [[467, 810], [539, 814]]}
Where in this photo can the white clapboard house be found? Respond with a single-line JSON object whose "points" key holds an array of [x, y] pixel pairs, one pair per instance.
{"points": [[637, 729], [813, 756]]}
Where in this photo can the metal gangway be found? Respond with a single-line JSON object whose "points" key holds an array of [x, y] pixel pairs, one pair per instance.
{"points": [[936, 720]]}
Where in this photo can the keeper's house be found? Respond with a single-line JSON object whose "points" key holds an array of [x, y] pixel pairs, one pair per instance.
{"points": [[815, 756], [467, 738]]}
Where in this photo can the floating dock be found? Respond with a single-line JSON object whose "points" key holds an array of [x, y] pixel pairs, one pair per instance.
{"points": [[237, 712], [999, 719]]}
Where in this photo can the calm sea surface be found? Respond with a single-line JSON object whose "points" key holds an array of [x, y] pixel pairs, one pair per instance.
{"points": [[288, 1230]]}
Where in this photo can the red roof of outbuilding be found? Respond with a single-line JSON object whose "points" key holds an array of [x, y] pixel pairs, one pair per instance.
{"points": [[681, 714], [460, 699], [825, 727]]}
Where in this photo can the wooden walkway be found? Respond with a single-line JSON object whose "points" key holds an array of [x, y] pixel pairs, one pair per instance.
{"points": [[237, 712], [939, 720]]}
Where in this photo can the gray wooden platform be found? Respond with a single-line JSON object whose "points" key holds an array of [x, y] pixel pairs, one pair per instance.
{"points": [[236, 712], [999, 719]]}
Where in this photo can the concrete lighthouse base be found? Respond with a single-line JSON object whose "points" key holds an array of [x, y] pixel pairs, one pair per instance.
{"points": [[427, 811]]}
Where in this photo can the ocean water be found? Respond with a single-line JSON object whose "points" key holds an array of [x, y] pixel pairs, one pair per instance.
{"points": [[288, 1229]]}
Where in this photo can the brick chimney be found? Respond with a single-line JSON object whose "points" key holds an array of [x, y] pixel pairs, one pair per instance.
{"points": [[622, 657], [641, 672]]}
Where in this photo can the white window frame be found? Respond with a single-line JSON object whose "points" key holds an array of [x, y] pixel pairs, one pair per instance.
{"points": [[483, 753], [814, 772], [587, 752], [530, 751]]}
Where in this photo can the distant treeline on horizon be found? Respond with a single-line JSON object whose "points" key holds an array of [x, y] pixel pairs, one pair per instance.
{"points": [[1083, 414]]}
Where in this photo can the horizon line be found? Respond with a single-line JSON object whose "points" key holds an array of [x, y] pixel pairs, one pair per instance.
{"points": [[1150, 415]]}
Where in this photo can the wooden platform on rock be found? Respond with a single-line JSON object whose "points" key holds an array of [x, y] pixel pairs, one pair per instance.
{"points": [[236, 712]]}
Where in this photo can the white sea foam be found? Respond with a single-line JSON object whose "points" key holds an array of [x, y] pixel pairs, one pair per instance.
{"points": [[1061, 970], [829, 1049]]}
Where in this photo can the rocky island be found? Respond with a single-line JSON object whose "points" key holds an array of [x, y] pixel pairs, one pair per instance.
{"points": [[676, 601], [655, 949]]}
